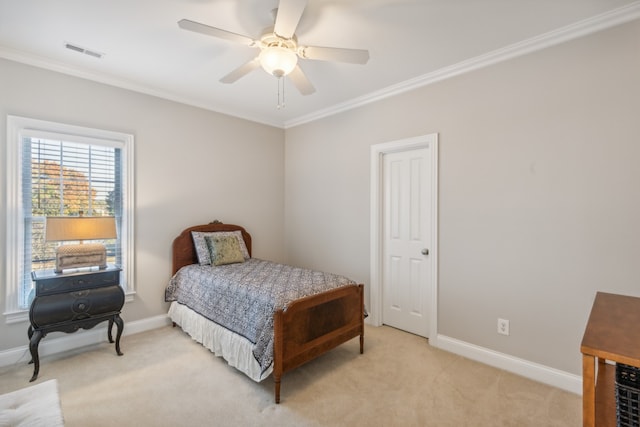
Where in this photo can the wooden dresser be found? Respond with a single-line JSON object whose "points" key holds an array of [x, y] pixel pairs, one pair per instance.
{"points": [[612, 334], [66, 302]]}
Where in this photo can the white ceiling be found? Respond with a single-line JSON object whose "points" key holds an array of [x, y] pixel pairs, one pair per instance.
{"points": [[411, 42]]}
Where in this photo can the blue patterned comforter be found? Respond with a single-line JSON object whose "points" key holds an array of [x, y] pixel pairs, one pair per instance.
{"points": [[243, 297]]}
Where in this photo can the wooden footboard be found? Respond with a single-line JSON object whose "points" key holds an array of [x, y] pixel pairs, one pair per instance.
{"points": [[314, 325]]}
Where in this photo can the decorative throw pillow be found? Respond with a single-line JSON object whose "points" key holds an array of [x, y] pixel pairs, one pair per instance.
{"points": [[202, 250], [224, 250]]}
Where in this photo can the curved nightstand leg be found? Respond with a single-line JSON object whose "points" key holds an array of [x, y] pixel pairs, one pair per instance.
{"points": [[118, 321], [109, 330], [30, 334], [33, 348]]}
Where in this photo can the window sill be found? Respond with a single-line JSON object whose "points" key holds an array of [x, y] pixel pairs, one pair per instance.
{"points": [[129, 296], [16, 317]]}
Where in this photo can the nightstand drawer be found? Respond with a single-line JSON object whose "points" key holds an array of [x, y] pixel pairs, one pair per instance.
{"points": [[72, 283], [50, 310]]}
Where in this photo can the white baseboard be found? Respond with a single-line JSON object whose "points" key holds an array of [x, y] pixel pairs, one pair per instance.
{"points": [[82, 338], [544, 374]]}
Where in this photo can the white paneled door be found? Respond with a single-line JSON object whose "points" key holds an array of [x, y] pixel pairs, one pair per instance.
{"points": [[406, 240]]}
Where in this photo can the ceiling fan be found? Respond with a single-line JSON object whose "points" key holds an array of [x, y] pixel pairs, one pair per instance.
{"points": [[279, 48]]}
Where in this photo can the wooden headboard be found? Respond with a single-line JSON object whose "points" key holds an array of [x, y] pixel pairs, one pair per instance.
{"points": [[184, 252]]}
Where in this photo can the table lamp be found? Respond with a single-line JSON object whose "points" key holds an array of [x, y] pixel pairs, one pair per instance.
{"points": [[79, 228]]}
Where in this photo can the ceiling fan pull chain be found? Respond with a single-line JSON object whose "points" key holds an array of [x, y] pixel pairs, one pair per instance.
{"points": [[280, 103]]}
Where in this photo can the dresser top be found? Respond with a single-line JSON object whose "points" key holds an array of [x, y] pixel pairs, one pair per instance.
{"points": [[50, 274]]}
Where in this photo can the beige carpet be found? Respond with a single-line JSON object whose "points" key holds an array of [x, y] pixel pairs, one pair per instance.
{"points": [[166, 379]]}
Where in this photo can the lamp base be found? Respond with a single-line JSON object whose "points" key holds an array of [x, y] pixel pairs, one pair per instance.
{"points": [[83, 255]]}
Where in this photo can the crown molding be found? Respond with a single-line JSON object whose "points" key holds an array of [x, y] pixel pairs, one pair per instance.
{"points": [[582, 28]]}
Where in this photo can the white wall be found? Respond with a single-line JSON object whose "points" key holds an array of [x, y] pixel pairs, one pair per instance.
{"points": [[192, 166], [539, 191]]}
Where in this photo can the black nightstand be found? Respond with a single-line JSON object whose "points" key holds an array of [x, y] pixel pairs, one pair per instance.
{"points": [[66, 302]]}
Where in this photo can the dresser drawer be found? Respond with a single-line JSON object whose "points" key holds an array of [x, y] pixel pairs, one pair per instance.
{"points": [[49, 310], [72, 283]]}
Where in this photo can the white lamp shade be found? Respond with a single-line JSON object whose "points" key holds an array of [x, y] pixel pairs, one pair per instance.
{"points": [[278, 61], [80, 228]]}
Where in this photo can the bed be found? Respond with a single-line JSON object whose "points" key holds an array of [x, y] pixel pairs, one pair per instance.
{"points": [[263, 329]]}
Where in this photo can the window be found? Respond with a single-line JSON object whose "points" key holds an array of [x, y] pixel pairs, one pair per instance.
{"points": [[61, 170]]}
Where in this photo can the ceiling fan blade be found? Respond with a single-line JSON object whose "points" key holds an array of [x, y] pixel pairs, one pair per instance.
{"points": [[301, 82], [289, 13], [197, 27], [353, 56], [241, 71]]}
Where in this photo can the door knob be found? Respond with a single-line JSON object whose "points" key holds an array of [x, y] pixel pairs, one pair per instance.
{"points": [[425, 251]]}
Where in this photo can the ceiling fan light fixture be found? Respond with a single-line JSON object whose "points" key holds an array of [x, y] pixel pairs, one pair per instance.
{"points": [[277, 60]]}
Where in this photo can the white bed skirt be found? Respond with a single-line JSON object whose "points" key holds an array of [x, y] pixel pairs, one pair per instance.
{"points": [[233, 348]]}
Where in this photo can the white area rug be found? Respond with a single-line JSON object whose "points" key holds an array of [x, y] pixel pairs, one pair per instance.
{"points": [[34, 406]]}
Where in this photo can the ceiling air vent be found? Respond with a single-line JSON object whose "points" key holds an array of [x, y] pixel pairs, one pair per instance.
{"points": [[80, 49]]}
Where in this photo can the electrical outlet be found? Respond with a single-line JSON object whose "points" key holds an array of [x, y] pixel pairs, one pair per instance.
{"points": [[503, 326]]}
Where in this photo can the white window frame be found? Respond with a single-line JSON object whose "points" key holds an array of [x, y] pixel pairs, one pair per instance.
{"points": [[21, 127]]}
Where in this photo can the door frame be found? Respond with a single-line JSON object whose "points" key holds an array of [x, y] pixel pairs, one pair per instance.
{"points": [[375, 294]]}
